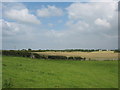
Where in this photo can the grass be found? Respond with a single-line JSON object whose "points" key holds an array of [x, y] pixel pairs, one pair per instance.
{"points": [[19, 72], [97, 55]]}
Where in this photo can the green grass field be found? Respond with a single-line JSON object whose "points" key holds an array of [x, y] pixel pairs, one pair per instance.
{"points": [[19, 72]]}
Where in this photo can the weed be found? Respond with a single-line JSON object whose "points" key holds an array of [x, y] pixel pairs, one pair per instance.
{"points": [[8, 83]]}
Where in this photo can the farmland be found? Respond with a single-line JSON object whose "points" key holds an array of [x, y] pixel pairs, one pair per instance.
{"points": [[21, 72], [97, 55]]}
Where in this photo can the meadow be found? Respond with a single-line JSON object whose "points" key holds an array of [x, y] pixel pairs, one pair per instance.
{"points": [[21, 72]]}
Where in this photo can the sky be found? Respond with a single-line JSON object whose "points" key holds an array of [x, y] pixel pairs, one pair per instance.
{"points": [[59, 25]]}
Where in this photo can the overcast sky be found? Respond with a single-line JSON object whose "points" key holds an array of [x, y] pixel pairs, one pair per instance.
{"points": [[59, 25]]}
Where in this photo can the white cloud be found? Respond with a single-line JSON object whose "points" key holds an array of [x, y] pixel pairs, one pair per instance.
{"points": [[14, 28], [20, 14], [85, 27], [58, 0], [92, 17], [9, 28], [101, 22], [49, 11], [50, 24], [19, 34], [78, 27], [54, 34], [91, 10], [103, 0]]}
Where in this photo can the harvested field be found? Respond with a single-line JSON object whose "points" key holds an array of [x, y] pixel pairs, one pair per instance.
{"points": [[98, 55]]}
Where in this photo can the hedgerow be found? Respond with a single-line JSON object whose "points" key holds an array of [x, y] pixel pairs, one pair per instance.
{"points": [[35, 55]]}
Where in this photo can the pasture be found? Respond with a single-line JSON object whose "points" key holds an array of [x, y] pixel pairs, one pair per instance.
{"points": [[21, 72], [97, 55]]}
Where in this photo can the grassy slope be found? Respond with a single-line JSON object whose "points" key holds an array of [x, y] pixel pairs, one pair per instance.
{"points": [[34, 73]]}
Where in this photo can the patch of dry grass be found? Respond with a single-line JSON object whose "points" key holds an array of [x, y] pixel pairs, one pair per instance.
{"points": [[98, 55]]}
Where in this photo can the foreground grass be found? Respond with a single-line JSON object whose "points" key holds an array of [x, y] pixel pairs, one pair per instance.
{"points": [[19, 72]]}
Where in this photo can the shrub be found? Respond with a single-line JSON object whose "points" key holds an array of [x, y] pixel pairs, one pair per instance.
{"points": [[57, 57], [75, 58], [39, 56], [16, 53], [78, 58], [70, 58], [36, 55]]}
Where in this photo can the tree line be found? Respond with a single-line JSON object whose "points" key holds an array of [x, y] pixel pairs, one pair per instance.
{"points": [[70, 50]]}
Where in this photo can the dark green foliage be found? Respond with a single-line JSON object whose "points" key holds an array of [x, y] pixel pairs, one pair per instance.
{"points": [[78, 58], [39, 56], [57, 57], [72, 50], [8, 83], [117, 51], [29, 49], [35, 55], [16, 53], [65, 58], [70, 58]]}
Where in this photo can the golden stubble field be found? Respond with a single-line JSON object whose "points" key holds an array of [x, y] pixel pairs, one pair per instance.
{"points": [[98, 55]]}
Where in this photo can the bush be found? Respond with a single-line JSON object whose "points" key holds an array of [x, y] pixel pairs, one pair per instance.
{"points": [[22, 54], [16, 53], [36, 55], [70, 58], [57, 57], [75, 58], [78, 58], [39, 56]]}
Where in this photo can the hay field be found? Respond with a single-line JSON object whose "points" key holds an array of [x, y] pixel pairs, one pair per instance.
{"points": [[98, 55]]}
